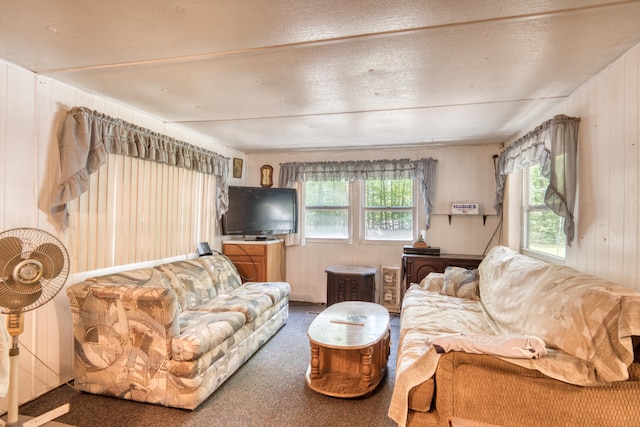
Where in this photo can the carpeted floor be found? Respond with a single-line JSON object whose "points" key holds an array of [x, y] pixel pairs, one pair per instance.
{"points": [[268, 390]]}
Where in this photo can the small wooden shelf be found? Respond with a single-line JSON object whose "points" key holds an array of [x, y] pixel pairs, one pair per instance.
{"points": [[449, 215], [484, 217]]}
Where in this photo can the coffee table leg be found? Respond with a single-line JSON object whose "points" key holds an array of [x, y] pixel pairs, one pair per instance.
{"points": [[315, 362], [365, 365]]}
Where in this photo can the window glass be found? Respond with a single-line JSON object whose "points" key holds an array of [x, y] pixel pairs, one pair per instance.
{"points": [[543, 229], [327, 209], [388, 209]]}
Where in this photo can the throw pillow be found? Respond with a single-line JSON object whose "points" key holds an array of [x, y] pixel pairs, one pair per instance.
{"points": [[433, 282], [460, 282]]}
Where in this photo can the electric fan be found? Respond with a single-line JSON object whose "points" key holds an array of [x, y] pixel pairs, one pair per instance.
{"points": [[34, 266]]}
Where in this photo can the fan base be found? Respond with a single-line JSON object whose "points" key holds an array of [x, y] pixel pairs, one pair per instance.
{"points": [[41, 420]]}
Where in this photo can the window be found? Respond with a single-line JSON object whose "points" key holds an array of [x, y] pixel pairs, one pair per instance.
{"points": [[327, 209], [542, 229], [388, 209]]}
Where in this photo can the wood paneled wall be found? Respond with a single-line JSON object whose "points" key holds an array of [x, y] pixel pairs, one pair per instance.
{"points": [[463, 174], [608, 213], [31, 110]]}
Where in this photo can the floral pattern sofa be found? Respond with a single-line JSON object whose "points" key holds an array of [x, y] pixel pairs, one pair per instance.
{"points": [[586, 374], [170, 335]]}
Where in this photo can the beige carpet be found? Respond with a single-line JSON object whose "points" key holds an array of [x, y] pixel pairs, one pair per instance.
{"points": [[268, 390]]}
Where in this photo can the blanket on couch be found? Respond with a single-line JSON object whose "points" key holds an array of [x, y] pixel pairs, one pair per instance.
{"points": [[585, 322]]}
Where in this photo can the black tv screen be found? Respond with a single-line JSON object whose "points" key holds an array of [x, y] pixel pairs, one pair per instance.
{"points": [[258, 211]]}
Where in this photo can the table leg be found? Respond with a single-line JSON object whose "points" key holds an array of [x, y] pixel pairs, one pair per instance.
{"points": [[315, 362], [365, 365]]}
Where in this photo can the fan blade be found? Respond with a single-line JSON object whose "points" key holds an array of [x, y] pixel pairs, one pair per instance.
{"points": [[51, 258], [10, 251], [14, 295]]}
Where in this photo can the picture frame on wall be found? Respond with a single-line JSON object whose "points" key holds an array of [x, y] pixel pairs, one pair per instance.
{"points": [[237, 168], [266, 176]]}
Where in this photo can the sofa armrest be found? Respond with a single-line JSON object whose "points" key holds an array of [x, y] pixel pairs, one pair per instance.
{"points": [[116, 324]]}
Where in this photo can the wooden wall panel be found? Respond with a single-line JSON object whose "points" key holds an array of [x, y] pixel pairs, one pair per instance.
{"points": [[4, 144], [463, 174], [31, 111], [607, 212], [615, 241], [631, 164]]}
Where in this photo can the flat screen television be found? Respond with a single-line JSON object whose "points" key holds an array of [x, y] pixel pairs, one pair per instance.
{"points": [[260, 212]]}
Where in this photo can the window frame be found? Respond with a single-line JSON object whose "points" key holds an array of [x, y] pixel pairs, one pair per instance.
{"points": [[350, 219], [357, 211], [362, 211], [526, 208]]}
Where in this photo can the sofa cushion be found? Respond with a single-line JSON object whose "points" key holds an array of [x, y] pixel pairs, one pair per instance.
{"points": [[222, 271], [116, 314], [276, 290], [460, 282], [202, 331], [191, 281], [250, 304], [137, 277]]}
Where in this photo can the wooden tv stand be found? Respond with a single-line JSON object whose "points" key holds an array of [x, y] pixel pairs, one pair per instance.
{"points": [[257, 260]]}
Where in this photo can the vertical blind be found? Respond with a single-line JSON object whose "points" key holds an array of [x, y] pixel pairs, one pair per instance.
{"points": [[86, 137], [136, 210], [130, 195]]}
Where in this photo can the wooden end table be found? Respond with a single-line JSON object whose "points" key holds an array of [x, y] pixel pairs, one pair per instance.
{"points": [[350, 346], [350, 283]]}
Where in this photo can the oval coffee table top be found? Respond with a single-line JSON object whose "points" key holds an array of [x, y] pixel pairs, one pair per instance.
{"points": [[350, 324]]}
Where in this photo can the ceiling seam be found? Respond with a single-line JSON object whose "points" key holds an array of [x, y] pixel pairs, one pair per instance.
{"points": [[321, 42], [382, 110]]}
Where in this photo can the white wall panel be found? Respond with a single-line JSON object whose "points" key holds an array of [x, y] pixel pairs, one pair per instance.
{"points": [[617, 173], [463, 173], [630, 114], [4, 145], [31, 111], [607, 211]]}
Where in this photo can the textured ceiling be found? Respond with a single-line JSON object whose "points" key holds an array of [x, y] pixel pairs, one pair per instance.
{"points": [[261, 75]]}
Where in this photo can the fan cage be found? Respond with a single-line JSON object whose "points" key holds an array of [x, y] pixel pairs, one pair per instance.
{"points": [[34, 266]]}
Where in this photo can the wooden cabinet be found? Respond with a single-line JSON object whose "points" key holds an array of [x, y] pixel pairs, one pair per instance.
{"points": [[417, 267], [350, 283], [257, 261]]}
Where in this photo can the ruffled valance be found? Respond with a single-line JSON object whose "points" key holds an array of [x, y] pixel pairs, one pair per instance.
{"points": [[85, 137], [423, 170], [554, 145]]}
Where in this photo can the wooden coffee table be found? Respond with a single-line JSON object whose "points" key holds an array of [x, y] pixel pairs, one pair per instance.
{"points": [[350, 348]]}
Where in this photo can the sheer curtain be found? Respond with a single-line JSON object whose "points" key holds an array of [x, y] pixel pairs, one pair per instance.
{"points": [[554, 145], [423, 170], [85, 137]]}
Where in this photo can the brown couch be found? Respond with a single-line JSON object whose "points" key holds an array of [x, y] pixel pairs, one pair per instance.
{"points": [[589, 376]]}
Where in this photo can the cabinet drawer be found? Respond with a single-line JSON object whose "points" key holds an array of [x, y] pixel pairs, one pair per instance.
{"points": [[230, 249]]}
